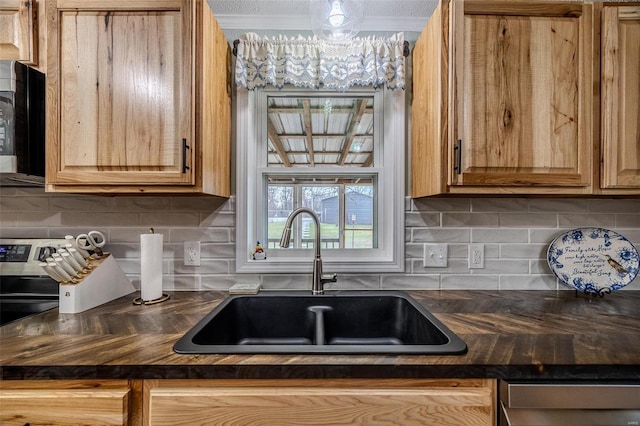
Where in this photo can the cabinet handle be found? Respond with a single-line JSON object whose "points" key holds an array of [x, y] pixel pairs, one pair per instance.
{"points": [[185, 147], [457, 167]]}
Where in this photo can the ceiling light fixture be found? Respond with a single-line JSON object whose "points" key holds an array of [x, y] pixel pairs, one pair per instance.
{"points": [[336, 20]]}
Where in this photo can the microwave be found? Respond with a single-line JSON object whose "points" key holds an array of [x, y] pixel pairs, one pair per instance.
{"points": [[22, 125]]}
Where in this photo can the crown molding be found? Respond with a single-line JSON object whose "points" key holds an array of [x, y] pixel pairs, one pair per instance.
{"points": [[302, 23]]}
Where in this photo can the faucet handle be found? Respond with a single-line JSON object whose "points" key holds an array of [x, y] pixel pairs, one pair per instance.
{"points": [[329, 278]]}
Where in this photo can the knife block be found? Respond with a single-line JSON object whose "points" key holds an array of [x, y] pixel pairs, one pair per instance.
{"points": [[104, 283]]}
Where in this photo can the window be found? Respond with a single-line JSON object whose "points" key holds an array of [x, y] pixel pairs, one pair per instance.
{"points": [[341, 154]]}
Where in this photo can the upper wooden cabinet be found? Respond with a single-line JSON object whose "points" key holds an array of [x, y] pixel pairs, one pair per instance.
{"points": [[620, 97], [138, 98], [502, 99], [19, 30]]}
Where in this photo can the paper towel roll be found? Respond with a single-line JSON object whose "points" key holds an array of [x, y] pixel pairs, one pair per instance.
{"points": [[151, 266]]}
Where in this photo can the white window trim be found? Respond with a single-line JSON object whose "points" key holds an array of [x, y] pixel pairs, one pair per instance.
{"points": [[388, 258]]}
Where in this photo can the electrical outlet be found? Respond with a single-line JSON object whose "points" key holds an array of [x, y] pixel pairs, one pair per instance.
{"points": [[476, 256], [192, 253], [435, 256]]}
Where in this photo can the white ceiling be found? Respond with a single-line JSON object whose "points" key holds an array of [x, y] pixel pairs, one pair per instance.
{"points": [[270, 17]]}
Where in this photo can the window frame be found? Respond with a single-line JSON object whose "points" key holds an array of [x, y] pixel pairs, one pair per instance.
{"points": [[388, 166]]}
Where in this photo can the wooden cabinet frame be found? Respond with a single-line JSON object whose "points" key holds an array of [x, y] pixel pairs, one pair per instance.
{"points": [[329, 401], [63, 402], [19, 30], [619, 30], [442, 103], [196, 160]]}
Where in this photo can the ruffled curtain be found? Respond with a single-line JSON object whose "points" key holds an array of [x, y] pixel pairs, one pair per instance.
{"points": [[313, 63]]}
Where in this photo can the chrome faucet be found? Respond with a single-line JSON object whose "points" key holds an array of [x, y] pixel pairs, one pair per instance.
{"points": [[317, 280]]}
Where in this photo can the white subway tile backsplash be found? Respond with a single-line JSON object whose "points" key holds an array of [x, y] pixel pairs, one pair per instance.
{"points": [[355, 282], [410, 282], [413, 250], [539, 267], [199, 204], [142, 204], [632, 235], [421, 219], [523, 251], [558, 205], [132, 234], [510, 205], [454, 266], [491, 251], [154, 219], [469, 219], [628, 220], [40, 219], [528, 282], [127, 251], [21, 204], [529, 220], [223, 282], [8, 219], [81, 203], [578, 220], [492, 235], [220, 219], [515, 232], [8, 231], [441, 235], [286, 282], [442, 204], [539, 235], [609, 205], [458, 251], [181, 283], [469, 282], [87, 221], [217, 251], [207, 267], [210, 235], [503, 266]]}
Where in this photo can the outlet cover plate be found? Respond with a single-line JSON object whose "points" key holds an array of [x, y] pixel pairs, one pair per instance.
{"points": [[192, 253], [435, 256], [476, 256]]}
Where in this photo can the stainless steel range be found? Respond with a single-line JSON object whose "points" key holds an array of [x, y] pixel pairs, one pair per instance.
{"points": [[25, 288]]}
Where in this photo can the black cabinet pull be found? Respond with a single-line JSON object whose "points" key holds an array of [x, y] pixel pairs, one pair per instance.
{"points": [[185, 147], [457, 167]]}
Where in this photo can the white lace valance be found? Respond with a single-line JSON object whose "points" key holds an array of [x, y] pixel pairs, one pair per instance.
{"points": [[313, 63]]}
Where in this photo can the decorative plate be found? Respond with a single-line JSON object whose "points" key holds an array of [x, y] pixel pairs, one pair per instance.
{"points": [[595, 261]]}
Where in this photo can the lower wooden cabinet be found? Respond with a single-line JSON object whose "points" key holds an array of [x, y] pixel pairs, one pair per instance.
{"points": [[240, 402], [319, 402], [68, 402]]}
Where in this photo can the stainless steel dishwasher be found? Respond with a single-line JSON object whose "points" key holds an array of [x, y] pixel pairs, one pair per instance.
{"points": [[567, 404]]}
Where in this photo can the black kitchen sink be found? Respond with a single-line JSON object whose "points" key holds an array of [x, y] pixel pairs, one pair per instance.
{"points": [[365, 322]]}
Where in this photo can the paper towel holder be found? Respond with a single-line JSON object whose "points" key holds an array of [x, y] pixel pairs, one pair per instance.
{"points": [[162, 298], [139, 301]]}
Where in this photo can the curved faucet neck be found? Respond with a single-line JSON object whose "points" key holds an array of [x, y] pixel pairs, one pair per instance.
{"points": [[314, 216]]}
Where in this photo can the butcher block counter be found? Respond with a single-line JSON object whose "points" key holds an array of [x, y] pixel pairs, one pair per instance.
{"points": [[509, 334]]}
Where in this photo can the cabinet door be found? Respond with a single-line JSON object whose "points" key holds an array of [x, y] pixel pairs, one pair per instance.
{"points": [[119, 93], [620, 91], [521, 93], [19, 31], [319, 402], [62, 402]]}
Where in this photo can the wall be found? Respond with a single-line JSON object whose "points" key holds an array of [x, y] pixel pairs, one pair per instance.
{"points": [[515, 231]]}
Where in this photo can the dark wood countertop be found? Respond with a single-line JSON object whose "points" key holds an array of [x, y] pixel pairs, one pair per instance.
{"points": [[509, 334]]}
